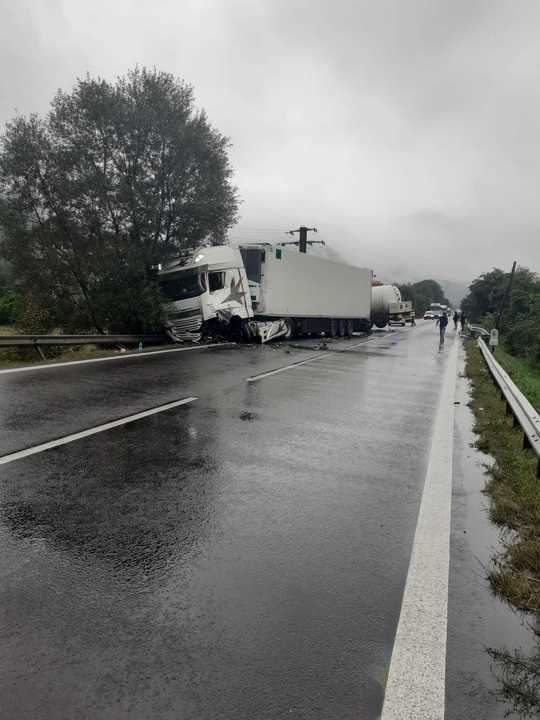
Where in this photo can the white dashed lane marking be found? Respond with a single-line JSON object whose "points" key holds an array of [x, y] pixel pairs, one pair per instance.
{"points": [[34, 449]]}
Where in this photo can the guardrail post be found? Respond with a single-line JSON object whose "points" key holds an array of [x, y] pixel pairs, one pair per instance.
{"points": [[40, 351]]}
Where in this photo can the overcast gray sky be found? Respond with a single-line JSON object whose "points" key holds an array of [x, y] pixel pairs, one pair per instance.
{"points": [[406, 131]]}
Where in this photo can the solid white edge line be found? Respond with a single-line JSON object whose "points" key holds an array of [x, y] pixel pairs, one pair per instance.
{"points": [[11, 457], [417, 675], [121, 356]]}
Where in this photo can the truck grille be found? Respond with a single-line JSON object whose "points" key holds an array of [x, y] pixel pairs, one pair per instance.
{"points": [[185, 328], [182, 314]]}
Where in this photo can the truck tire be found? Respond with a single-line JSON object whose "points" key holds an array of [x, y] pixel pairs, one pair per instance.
{"points": [[332, 329], [349, 327], [290, 329], [381, 323], [341, 328], [246, 331], [240, 330]]}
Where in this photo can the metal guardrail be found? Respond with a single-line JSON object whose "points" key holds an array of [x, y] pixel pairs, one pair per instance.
{"points": [[516, 403], [477, 330], [36, 340]]}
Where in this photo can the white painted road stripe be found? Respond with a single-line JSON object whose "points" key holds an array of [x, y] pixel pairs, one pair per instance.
{"points": [[120, 356], [416, 679], [313, 358], [4, 459]]}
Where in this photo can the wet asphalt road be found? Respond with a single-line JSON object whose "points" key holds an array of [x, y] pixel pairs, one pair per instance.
{"points": [[242, 557]]}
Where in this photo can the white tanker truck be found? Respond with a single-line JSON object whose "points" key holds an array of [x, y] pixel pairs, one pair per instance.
{"points": [[387, 307]]}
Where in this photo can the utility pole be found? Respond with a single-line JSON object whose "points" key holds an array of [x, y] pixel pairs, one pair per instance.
{"points": [[302, 237], [505, 296]]}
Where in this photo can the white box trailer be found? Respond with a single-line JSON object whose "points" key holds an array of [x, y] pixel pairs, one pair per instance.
{"points": [[301, 286], [258, 290]]}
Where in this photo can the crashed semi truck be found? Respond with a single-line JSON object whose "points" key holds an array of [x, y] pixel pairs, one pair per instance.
{"points": [[258, 291]]}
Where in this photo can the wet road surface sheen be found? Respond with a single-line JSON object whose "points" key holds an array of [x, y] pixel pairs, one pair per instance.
{"points": [[241, 557]]}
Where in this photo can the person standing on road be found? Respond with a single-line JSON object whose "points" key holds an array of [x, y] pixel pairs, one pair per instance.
{"points": [[442, 322], [456, 319], [462, 319]]}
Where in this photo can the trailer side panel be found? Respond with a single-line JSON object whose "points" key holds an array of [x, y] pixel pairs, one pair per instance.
{"points": [[300, 285]]}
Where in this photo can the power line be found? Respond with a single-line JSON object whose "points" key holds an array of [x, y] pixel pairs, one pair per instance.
{"points": [[253, 229]]}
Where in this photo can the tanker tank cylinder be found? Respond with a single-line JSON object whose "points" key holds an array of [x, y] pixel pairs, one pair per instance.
{"points": [[381, 298]]}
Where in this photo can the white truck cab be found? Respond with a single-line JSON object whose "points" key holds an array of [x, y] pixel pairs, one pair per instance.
{"points": [[210, 286]]}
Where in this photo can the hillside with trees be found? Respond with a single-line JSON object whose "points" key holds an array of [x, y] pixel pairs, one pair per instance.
{"points": [[520, 319], [422, 294]]}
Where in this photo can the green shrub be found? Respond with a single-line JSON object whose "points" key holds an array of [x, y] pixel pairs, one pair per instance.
{"points": [[10, 306]]}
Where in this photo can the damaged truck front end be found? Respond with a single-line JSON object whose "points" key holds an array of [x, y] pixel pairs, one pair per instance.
{"points": [[207, 297]]}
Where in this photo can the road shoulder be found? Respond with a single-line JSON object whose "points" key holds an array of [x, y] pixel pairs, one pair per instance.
{"points": [[476, 619]]}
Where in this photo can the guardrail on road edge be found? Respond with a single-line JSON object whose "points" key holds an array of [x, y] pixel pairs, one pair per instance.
{"points": [[33, 340], [517, 404], [477, 330], [36, 341]]}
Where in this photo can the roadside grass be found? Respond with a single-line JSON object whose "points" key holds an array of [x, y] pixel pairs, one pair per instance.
{"points": [[514, 506], [524, 373], [513, 489]]}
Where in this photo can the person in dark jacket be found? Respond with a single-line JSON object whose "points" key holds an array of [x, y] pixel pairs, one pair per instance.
{"points": [[462, 319], [455, 319], [442, 322]]}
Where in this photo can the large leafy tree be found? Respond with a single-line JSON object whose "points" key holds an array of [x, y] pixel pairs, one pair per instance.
{"points": [[10, 299], [117, 178]]}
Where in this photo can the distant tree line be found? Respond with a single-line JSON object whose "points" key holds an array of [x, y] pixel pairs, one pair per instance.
{"points": [[422, 294], [520, 321], [117, 178]]}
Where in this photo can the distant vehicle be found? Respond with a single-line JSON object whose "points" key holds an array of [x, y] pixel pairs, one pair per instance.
{"points": [[437, 309], [257, 291], [387, 307], [430, 315]]}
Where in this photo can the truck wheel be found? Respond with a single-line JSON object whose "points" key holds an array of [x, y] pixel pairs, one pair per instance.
{"points": [[240, 330], [332, 329], [381, 323], [246, 331], [290, 329], [349, 328], [341, 328]]}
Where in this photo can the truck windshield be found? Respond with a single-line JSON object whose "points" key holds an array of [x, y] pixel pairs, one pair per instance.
{"points": [[252, 257], [183, 287]]}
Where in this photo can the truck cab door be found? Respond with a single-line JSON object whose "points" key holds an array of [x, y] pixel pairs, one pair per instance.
{"points": [[229, 293]]}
